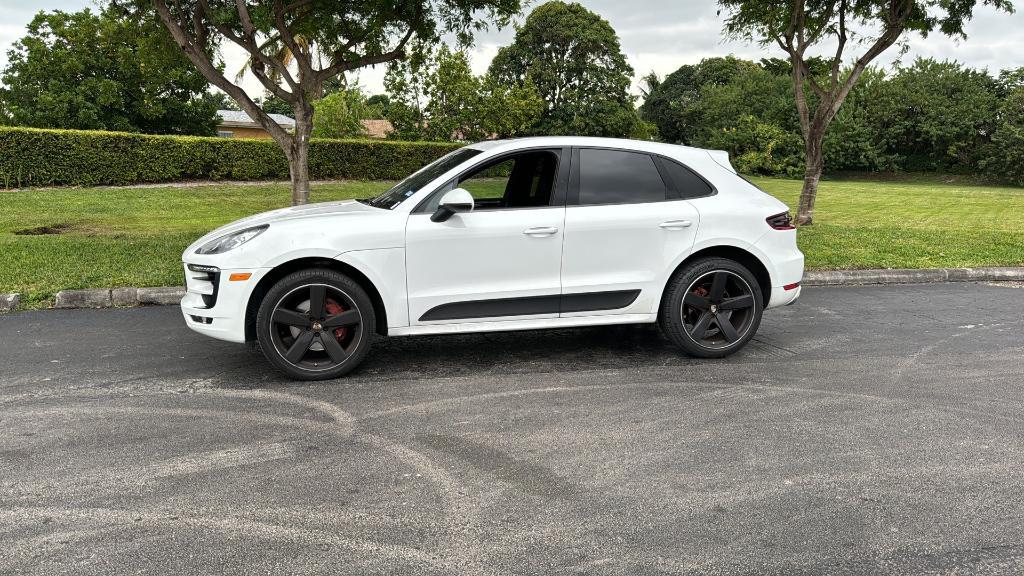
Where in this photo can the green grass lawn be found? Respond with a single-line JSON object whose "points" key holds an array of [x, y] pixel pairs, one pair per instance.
{"points": [[134, 236]]}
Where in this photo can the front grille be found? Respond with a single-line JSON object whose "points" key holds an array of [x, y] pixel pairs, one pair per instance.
{"points": [[204, 281]]}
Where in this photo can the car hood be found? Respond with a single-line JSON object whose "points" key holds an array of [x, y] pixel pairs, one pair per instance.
{"points": [[305, 211]]}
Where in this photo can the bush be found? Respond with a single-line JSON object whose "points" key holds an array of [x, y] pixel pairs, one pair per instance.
{"points": [[760, 148], [1005, 159], [33, 157]]}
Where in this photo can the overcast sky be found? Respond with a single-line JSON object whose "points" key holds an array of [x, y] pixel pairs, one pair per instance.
{"points": [[658, 35]]}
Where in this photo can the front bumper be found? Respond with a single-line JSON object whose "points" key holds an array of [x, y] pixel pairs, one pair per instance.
{"points": [[216, 306]]}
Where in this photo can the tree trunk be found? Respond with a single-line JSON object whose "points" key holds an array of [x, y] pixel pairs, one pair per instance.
{"points": [[298, 159], [812, 174]]}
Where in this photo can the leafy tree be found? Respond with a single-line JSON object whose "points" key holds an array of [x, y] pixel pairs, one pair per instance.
{"points": [[340, 114], [441, 99], [297, 47], [759, 147], [222, 101], [573, 57], [798, 26], [858, 138], [741, 89], [273, 104], [1006, 154], [104, 71], [649, 83], [379, 103], [940, 115], [674, 105], [404, 84]]}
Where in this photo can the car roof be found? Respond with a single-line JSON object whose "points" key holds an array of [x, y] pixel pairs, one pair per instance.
{"points": [[623, 143], [696, 158]]}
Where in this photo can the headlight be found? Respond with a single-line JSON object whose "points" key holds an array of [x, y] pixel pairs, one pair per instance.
{"points": [[231, 241]]}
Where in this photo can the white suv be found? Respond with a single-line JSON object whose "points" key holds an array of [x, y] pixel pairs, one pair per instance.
{"points": [[504, 235]]}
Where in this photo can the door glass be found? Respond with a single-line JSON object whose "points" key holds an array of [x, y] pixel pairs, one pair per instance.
{"points": [[619, 177], [524, 180]]}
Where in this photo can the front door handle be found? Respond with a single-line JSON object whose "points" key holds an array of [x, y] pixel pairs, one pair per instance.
{"points": [[540, 231], [675, 224]]}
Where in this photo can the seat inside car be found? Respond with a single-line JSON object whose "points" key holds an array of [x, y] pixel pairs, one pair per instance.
{"points": [[531, 181]]}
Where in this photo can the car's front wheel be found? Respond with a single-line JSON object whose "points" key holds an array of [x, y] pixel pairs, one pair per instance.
{"points": [[315, 324], [711, 308]]}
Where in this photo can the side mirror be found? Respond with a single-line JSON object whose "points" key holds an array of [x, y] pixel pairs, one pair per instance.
{"points": [[453, 201]]}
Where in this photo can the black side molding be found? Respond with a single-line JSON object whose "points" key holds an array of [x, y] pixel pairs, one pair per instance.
{"points": [[529, 305], [588, 301]]}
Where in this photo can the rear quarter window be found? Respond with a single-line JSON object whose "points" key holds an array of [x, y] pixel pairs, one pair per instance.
{"points": [[688, 184]]}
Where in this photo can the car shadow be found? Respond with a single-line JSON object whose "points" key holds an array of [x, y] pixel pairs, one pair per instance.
{"points": [[492, 353]]}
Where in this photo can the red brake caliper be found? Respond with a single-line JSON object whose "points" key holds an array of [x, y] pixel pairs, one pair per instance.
{"points": [[700, 291], [333, 308]]}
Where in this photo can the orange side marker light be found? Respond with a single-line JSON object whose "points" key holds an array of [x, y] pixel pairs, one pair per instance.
{"points": [[239, 276]]}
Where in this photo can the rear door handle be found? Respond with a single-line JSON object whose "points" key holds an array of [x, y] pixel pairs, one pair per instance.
{"points": [[540, 231], [675, 224]]}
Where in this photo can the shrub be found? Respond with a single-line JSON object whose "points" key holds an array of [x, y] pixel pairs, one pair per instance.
{"points": [[760, 148], [1005, 159], [33, 157]]}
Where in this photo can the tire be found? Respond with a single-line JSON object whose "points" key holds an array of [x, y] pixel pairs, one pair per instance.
{"points": [[300, 344], [714, 296]]}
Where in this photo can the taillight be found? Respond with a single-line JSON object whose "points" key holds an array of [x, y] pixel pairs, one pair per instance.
{"points": [[781, 221]]}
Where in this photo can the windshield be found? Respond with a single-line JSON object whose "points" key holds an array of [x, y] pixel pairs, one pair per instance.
{"points": [[421, 178]]}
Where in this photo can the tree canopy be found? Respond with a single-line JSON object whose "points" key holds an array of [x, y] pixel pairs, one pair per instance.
{"points": [[928, 115], [298, 47], [802, 27], [441, 99], [573, 57], [104, 71], [340, 114]]}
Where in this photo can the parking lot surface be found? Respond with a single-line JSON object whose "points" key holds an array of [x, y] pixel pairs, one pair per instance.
{"points": [[865, 430]]}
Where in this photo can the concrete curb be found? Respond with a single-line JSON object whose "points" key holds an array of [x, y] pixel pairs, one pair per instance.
{"points": [[171, 295], [922, 276], [119, 297]]}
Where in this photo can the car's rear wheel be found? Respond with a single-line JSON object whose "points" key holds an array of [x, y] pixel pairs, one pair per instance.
{"points": [[711, 308], [315, 324]]}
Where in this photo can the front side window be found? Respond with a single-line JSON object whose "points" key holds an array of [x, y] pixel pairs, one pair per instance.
{"points": [[412, 184], [523, 180], [618, 177]]}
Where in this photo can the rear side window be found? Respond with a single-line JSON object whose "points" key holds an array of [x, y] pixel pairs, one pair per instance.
{"points": [[688, 184], [618, 177]]}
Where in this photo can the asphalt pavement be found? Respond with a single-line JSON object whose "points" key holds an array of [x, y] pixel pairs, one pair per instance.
{"points": [[865, 430]]}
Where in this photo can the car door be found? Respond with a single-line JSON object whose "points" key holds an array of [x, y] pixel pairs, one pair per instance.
{"points": [[625, 224], [501, 261]]}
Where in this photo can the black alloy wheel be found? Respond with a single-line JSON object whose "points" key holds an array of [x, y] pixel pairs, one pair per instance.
{"points": [[712, 308], [315, 324], [717, 309]]}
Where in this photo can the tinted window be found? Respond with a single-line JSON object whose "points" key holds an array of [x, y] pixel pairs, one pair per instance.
{"points": [[422, 177], [688, 184], [523, 180], [617, 177]]}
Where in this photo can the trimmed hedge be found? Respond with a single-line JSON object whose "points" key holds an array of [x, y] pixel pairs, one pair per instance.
{"points": [[34, 157]]}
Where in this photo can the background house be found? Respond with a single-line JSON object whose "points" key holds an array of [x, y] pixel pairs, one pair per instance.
{"points": [[377, 128], [236, 124]]}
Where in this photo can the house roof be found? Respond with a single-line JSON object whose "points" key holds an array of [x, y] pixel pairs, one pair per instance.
{"points": [[238, 119]]}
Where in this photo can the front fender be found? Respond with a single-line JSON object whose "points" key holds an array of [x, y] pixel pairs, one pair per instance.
{"points": [[385, 269]]}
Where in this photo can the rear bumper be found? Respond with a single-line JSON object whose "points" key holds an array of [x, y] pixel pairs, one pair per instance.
{"points": [[225, 319], [787, 267], [783, 297]]}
